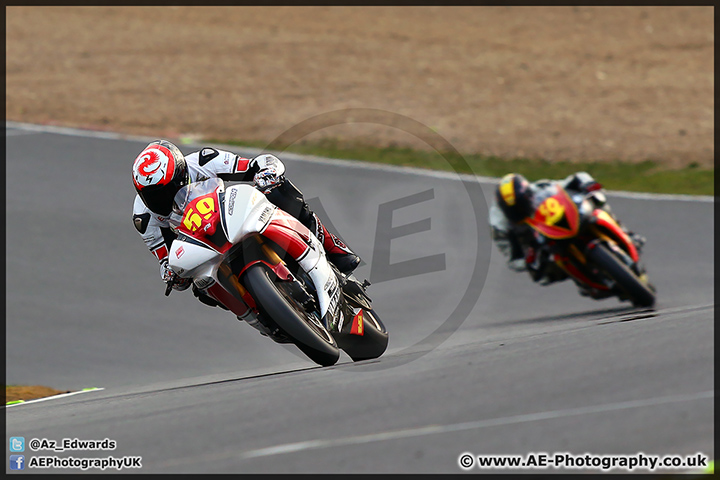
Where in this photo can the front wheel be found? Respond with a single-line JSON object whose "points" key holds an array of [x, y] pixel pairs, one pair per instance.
{"points": [[275, 301], [640, 293]]}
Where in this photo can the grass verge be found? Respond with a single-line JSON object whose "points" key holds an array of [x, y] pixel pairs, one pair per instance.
{"points": [[648, 176]]}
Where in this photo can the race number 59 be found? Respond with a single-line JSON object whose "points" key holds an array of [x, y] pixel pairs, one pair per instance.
{"points": [[203, 209]]}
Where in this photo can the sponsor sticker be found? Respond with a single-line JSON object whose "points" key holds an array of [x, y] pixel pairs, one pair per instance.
{"points": [[357, 324], [265, 215], [231, 201]]}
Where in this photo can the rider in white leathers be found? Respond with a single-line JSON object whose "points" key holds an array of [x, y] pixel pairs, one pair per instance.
{"points": [[161, 169]]}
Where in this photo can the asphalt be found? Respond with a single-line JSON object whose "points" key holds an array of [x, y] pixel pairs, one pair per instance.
{"points": [[480, 360]]}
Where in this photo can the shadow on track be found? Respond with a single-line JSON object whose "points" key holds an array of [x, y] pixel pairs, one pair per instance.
{"points": [[590, 315]]}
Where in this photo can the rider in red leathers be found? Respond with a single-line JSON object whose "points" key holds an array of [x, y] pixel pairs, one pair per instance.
{"points": [[514, 201]]}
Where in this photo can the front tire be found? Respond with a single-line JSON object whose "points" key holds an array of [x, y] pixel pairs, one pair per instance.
{"points": [[275, 302], [640, 294]]}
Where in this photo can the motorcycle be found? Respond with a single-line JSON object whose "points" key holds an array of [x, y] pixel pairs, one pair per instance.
{"points": [[253, 257], [588, 244]]}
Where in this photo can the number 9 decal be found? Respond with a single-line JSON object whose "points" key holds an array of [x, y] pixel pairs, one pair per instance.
{"points": [[551, 210]]}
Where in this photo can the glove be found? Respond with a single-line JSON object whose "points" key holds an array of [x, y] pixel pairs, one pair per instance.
{"points": [[171, 278], [267, 179]]}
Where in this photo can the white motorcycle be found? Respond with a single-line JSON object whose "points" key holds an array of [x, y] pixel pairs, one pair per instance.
{"points": [[254, 258]]}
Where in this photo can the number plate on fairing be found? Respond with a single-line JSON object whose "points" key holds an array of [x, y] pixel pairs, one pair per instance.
{"points": [[201, 221], [201, 216], [556, 217]]}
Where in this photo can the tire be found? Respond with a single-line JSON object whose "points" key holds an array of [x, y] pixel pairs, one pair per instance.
{"points": [[275, 302], [640, 294], [371, 344]]}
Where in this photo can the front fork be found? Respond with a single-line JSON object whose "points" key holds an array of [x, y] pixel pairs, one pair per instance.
{"points": [[230, 291], [576, 265]]}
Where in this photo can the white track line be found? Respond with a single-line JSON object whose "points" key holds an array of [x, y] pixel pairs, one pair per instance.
{"points": [[16, 133], [75, 132], [456, 427], [29, 127]]}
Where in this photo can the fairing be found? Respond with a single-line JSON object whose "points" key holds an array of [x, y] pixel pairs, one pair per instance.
{"points": [[556, 217]]}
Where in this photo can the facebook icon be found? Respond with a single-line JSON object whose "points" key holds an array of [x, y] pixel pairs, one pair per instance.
{"points": [[17, 462]]}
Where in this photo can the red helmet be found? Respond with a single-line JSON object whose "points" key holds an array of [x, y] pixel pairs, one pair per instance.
{"points": [[514, 197], [158, 173]]}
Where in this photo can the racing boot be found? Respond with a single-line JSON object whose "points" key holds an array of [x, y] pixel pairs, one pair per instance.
{"points": [[337, 252]]}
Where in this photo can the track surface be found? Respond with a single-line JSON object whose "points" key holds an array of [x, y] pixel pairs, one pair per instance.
{"points": [[188, 388]]}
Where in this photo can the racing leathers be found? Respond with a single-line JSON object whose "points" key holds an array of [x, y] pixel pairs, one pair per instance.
{"points": [[518, 242], [268, 173]]}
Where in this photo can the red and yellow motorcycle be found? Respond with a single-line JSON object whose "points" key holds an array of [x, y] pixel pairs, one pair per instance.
{"points": [[590, 246]]}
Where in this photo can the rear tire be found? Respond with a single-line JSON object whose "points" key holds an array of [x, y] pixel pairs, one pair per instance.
{"points": [[276, 302], [640, 294], [371, 344]]}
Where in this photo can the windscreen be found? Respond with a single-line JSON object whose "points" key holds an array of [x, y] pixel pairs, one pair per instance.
{"points": [[190, 192]]}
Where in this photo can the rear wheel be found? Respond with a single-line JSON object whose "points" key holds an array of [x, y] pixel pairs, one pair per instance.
{"points": [[274, 298], [371, 344], [640, 293]]}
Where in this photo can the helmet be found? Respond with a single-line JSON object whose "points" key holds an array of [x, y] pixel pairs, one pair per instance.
{"points": [[158, 173], [514, 197]]}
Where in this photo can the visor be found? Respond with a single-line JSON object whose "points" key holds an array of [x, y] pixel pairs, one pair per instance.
{"points": [[159, 198]]}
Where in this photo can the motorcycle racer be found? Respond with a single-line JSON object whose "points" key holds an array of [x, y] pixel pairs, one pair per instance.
{"points": [[515, 200], [161, 169]]}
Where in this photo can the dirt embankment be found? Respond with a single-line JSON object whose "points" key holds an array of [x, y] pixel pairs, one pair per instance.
{"points": [[594, 83], [22, 392]]}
